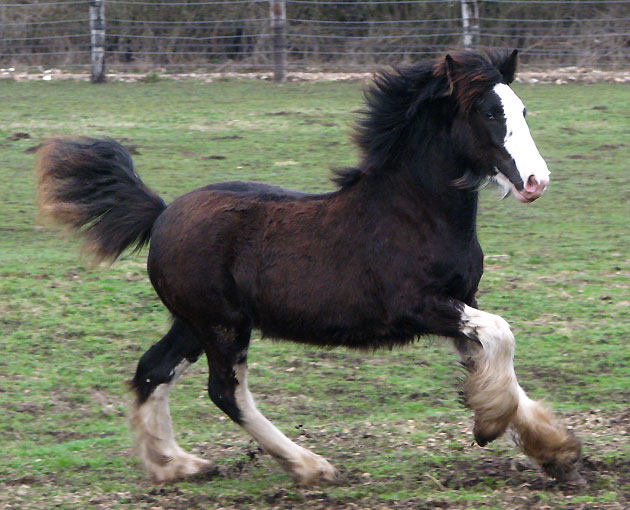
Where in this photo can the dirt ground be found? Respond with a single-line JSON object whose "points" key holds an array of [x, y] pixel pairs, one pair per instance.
{"points": [[520, 484]]}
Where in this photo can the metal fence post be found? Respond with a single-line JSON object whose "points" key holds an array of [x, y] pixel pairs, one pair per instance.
{"points": [[97, 40], [470, 23], [278, 11]]}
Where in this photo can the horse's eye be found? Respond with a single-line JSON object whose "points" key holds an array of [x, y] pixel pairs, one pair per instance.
{"points": [[490, 116]]}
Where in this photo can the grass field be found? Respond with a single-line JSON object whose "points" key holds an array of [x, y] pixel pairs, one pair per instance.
{"points": [[558, 270]]}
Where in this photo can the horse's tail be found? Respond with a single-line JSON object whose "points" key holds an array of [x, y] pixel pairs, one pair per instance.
{"points": [[90, 186]]}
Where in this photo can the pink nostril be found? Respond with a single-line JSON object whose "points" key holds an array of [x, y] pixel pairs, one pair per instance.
{"points": [[532, 184]]}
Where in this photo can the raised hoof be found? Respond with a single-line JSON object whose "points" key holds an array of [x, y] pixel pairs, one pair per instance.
{"points": [[483, 439], [486, 433]]}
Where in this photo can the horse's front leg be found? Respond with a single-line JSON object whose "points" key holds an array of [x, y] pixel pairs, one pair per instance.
{"points": [[485, 344], [486, 351]]}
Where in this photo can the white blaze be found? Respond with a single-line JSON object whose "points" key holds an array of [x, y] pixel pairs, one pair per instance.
{"points": [[518, 140]]}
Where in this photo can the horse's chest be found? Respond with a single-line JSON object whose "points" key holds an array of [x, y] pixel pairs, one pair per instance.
{"points": [[457, 271], [452, 271], [459, 280]]}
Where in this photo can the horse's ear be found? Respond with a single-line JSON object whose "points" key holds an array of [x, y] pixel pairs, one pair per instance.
{"points": [[508, 67], [449, 65]]}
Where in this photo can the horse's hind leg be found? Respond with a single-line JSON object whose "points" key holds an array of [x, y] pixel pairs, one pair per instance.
{"points": [[492, 391], [229, 391], [158, 371]]}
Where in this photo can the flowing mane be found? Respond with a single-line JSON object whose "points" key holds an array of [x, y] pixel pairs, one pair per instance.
{"points": [[405, 101]]}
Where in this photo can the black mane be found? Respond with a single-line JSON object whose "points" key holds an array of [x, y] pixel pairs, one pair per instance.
{"points": [[417, 101]]}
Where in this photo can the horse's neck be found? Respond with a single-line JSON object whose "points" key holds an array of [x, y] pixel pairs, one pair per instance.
{"points": [[458, 206], [437, 175], [461, 212], [423, 196]]}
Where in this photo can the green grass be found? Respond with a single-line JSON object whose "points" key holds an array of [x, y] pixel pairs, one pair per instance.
{"points": [[558, 270]]}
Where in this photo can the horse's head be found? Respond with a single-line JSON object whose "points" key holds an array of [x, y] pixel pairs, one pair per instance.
{"points": [[490, 127]]}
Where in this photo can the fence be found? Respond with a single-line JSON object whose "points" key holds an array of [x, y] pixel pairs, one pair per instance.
{"points": [[247, 35]]}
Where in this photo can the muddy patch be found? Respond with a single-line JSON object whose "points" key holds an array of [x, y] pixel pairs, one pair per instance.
{"points": [[201, 157], [230, 137], [583, 156], [18, 136], [609, 147], [506, 472]]}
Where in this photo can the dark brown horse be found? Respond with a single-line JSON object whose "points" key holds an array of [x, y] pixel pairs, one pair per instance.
{"points": [[389, 256]]}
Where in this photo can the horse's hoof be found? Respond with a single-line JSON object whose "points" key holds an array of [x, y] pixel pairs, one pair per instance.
{"points": [[482, 438], [181, 466], [578, 482], [314, 470], [563, 465], [565, 473], [485, 432], [571, 479]]}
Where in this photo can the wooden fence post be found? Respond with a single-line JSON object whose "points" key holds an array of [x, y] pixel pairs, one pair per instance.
{"points": [[278, 11], [97, 40], [470, 23]]}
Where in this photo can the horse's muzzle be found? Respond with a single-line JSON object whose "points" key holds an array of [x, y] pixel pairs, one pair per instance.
{"points": [[533, 189]]}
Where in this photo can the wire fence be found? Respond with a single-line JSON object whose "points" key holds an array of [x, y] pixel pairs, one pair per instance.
{"points": [[322, 35]]}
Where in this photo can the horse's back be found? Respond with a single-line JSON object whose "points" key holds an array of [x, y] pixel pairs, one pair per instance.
{"points": [[213, 235], [214, 209], [258, 191]]}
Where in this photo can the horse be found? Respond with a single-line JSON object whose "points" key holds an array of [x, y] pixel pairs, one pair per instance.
{"points": [[389, 256]]}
